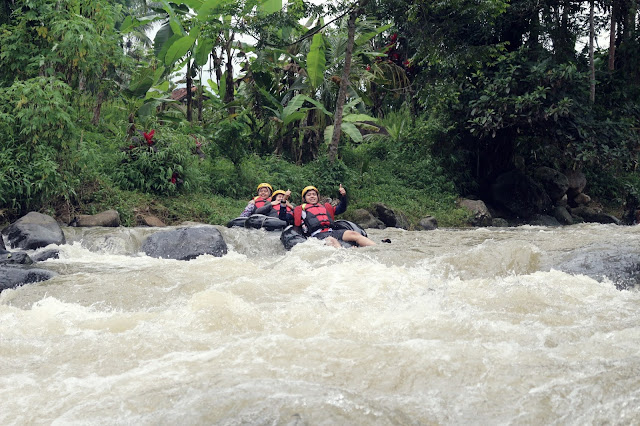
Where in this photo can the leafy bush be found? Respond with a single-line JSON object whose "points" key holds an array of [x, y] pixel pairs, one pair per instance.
{"points": [[159, 166], [36, 164]]}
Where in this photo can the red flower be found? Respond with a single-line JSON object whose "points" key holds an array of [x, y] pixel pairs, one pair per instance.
{"points": [[368, 67], [149, 137], [130, 146]]}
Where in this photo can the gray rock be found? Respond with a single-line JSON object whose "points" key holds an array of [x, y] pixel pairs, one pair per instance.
{"points": [[562, 215], [479, 210], [14, 258], [402, 221], [44, 255], [108, 218], [499, 222], [185, 243], [385, 214], [592, 215], [365, 219], [14, 276], [389, 217], [33, 231], [544, 220], [428, 223], [554, 182]]}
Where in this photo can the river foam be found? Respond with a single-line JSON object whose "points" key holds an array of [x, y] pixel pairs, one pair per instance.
{"points": [[479, 326]]}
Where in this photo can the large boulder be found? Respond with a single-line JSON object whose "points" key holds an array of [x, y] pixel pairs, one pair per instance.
{"points": [[108, 218], [521, 195], [185, 243], [480, 212], [33, 231], [365, 219], [14, 276], [555, 183]]}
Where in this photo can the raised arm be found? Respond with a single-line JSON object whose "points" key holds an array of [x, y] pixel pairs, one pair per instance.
{"points": [[342, 205]]}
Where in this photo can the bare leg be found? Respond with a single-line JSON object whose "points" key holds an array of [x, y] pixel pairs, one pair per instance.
{"points": [[359, 239]]}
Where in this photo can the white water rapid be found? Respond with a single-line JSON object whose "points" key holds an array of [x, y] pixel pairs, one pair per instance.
{"points": [[488, 326]]}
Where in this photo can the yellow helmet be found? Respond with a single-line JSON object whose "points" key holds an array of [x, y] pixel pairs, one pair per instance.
{"points": [[265, 185], [308, 188], [279, 191]]}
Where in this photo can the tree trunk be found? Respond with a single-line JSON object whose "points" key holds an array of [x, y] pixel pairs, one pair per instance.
{"points": [[217, 64], [612, 37], [229, 87], [98, 108], [342, 92], [99, 100], [189, 94], [592, 85], [200, 99]]}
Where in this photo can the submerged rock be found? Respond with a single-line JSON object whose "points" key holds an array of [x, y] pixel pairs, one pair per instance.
{"points": [[15, 276], [185, 243], [623, 269], [14, 258], [45, 255]]}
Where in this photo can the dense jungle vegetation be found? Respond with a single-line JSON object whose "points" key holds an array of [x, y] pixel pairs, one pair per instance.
{"points": [[412, 103]]}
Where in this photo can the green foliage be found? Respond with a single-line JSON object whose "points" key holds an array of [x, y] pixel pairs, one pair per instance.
{"points": [[36, 164], [230, 139], [161, 168]]}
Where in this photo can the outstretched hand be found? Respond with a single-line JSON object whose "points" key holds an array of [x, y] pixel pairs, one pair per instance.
{"points": [[342, 191]]}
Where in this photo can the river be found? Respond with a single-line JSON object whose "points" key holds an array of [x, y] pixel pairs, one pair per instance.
{"points": [[526, 325]]}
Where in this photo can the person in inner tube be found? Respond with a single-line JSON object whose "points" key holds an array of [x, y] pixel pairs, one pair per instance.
{"points": [[316, 220], [264, 194], [279, 207]]}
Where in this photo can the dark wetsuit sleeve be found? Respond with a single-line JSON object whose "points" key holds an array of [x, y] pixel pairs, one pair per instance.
{"points": [[342, 205], [264, 209], [285, 216]]}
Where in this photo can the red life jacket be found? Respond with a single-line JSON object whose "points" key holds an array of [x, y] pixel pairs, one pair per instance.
{"points": [[316, 218], [259, 202]]}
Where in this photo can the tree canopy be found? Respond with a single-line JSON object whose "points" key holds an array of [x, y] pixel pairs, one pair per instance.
{"points": [[482, 86]]}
